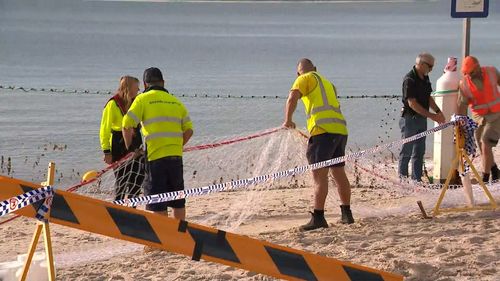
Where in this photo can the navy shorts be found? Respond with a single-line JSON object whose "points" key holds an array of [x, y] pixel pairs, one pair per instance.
{"points": [[325, 147], [165, 175]]}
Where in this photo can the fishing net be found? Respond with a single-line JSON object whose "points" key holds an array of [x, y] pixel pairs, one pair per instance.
{"points": [[224, 160], [377, 191]]}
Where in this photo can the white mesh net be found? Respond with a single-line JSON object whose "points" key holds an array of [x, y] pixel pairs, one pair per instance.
{"points": [[376, 190], [229, 159], [261, 153]]}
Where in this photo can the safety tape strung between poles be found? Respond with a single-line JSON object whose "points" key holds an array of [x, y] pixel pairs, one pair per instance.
{"points": [[44, 208], [467, 127], [181, 194], [20, 201]]}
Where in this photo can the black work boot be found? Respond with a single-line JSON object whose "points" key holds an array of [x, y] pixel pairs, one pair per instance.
{"points": [[346, 214], [486, 178], [317, 221], [495, 173]]}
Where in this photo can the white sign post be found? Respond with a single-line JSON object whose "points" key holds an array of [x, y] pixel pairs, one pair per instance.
{"points": [[468, 9]]}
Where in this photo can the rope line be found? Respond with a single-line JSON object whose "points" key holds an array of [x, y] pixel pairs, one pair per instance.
{"points": [[201, 95]]}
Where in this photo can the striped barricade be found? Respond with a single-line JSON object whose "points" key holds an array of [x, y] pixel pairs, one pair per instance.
{"points": [[197, 241]]}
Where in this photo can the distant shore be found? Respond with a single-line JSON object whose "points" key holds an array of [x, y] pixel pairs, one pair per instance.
{"points": [[267, 1]]}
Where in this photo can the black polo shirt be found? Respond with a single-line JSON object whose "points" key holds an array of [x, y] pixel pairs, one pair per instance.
{"points": [[414, 87]]}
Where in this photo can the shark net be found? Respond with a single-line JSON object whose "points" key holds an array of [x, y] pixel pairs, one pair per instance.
{"points": [[376, 190], [224, 160]]}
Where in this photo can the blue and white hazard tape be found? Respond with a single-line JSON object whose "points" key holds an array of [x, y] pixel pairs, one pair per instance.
{"points": [[20, 201], [44, 209], [467, 127], [164, 197]]}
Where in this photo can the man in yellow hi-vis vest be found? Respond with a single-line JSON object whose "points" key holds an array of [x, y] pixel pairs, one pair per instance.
{"points": [[328, 131], [166, 128]]}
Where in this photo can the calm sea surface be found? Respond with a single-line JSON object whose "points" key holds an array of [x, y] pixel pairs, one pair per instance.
{"points": [[210, 48]]}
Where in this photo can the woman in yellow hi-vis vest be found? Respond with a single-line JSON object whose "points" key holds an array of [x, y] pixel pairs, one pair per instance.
{"points": [[328, 131], [129, 175]]}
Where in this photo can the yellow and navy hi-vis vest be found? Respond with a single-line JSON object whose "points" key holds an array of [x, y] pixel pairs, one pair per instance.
{"points": [[164, 119], [323, 109]]}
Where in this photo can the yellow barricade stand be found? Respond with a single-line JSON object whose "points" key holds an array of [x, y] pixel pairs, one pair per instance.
{"points": [[197, 241], [46, 234], [458, 161]]}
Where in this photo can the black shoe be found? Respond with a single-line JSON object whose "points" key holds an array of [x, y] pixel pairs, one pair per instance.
{"points": [[346, 214], [495, 173], [486, 178], [315, 223]]}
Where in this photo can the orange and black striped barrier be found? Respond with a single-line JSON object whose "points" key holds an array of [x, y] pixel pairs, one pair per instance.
{"points": [[196, 241]]}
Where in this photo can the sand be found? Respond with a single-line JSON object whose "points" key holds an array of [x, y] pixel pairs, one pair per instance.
{"points": [[389, 234], [395, 238]]}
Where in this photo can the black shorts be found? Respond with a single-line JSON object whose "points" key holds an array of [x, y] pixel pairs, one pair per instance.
{"points": [[165, 175], [325, 147]]}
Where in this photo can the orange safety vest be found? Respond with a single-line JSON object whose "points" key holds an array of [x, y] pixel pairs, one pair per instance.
{"points": [[487, 100]]}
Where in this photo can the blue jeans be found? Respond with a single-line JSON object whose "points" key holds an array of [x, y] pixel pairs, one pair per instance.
{"points": [[415, 150]]}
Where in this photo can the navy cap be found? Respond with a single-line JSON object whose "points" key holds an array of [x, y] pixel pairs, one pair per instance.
{"points": [[152, 74]]}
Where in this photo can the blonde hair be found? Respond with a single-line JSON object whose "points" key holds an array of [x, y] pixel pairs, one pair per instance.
{"points": [[123, 91]]}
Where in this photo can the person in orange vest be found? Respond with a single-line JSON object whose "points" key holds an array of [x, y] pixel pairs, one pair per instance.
{"points": [[328, 130], [479, 90]]}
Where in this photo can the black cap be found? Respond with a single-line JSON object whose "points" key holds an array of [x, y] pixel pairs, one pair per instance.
{"points": [[152, 74]]}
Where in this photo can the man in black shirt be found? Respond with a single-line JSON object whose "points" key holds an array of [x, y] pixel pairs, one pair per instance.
{"points": [[417, 100]]}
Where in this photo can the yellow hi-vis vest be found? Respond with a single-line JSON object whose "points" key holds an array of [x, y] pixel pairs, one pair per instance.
{"points": [[323, 109], [164, 119], [111, 120]]}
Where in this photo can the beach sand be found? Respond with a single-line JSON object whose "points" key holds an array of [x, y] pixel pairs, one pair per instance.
{"points": [[389, 234], [458, 246]]}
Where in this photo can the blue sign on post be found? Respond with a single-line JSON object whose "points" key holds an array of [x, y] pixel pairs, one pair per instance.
{"points": [[469, 8]]}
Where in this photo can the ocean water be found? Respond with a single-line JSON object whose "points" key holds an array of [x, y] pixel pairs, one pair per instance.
{"points": [[239, 49]]}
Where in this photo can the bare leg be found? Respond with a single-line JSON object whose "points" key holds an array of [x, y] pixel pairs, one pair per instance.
{"points": [[343, 185], [487, 157], [320, 177], [180, 213]]}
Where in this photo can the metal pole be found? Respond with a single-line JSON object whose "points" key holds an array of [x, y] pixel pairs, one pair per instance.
{"points": [[466, 38]]}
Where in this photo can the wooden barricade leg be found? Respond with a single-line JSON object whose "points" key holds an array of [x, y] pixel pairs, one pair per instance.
{"points": [[493, 203], [31, 251], [446, 184], [46, 234], [48, 252]]}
